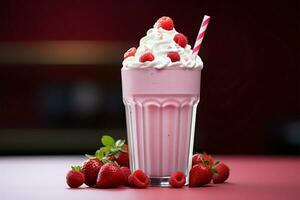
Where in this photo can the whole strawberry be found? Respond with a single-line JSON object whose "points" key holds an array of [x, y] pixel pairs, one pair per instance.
{"points": [[174, 56], [74, 177], [222, 173], [148, 56], [130, 52], [138, 179], [123, 157], [180, 39], [202, 158], [200, 175], [166, 23], [90, 169], [126, 173], [110, 176]]}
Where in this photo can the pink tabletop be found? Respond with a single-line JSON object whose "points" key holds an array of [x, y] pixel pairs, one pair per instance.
{"points": [[251, 178]]}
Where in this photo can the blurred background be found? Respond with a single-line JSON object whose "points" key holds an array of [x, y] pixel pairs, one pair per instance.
{"points": [[60, 62]]}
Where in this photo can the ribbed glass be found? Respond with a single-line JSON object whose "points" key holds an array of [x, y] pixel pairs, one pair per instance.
{"points": [[161, 134]]}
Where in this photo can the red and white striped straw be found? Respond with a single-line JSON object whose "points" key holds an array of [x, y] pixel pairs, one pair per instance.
{"points": [[200, 36]]}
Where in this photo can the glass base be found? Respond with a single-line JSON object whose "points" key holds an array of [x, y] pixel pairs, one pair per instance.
{"points": [[160, 181]]}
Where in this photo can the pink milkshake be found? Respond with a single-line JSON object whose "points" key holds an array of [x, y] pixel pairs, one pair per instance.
{"points": [[161, 88]]}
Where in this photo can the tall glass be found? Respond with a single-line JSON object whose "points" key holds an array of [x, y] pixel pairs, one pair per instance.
{"points": [[160, 109]]}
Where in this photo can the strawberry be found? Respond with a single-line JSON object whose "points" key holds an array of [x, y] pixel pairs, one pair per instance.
{"points": [[126, 173], [123, 157], [177, 179], [130, 52], [174, 56], [138, 179], [199, 175], [222, 172], [110, 175], [90, 169], [203, 158], [74, 177], [146, 57], [180, 39], [166, 23]]}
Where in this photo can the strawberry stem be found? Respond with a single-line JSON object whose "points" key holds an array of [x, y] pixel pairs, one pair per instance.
{"points": [[76, 168]]}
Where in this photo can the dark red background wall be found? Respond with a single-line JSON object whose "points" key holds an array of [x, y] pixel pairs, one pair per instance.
{"points": [[250, 83]]}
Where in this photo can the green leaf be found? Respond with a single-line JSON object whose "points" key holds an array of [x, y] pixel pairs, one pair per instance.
{"points": [[123, 149], [113, 149], [90, 156], [116, 154], [215, 171], [206, 162], [105, 160], [216, 163], [76, 168], [99, 154], [108, 141], [102, 152], [105, 150], [120, 143]]}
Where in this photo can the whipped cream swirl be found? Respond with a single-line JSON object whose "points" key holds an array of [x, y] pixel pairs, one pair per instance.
{"points": [[160, 42]]}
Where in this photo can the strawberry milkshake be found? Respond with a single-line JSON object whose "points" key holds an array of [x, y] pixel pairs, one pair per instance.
{"points": [[161, 88]]}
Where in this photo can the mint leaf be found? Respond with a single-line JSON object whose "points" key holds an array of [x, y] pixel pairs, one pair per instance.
{"points": [[76, 168], [120, 143], [108, 141], [104, 150]]}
